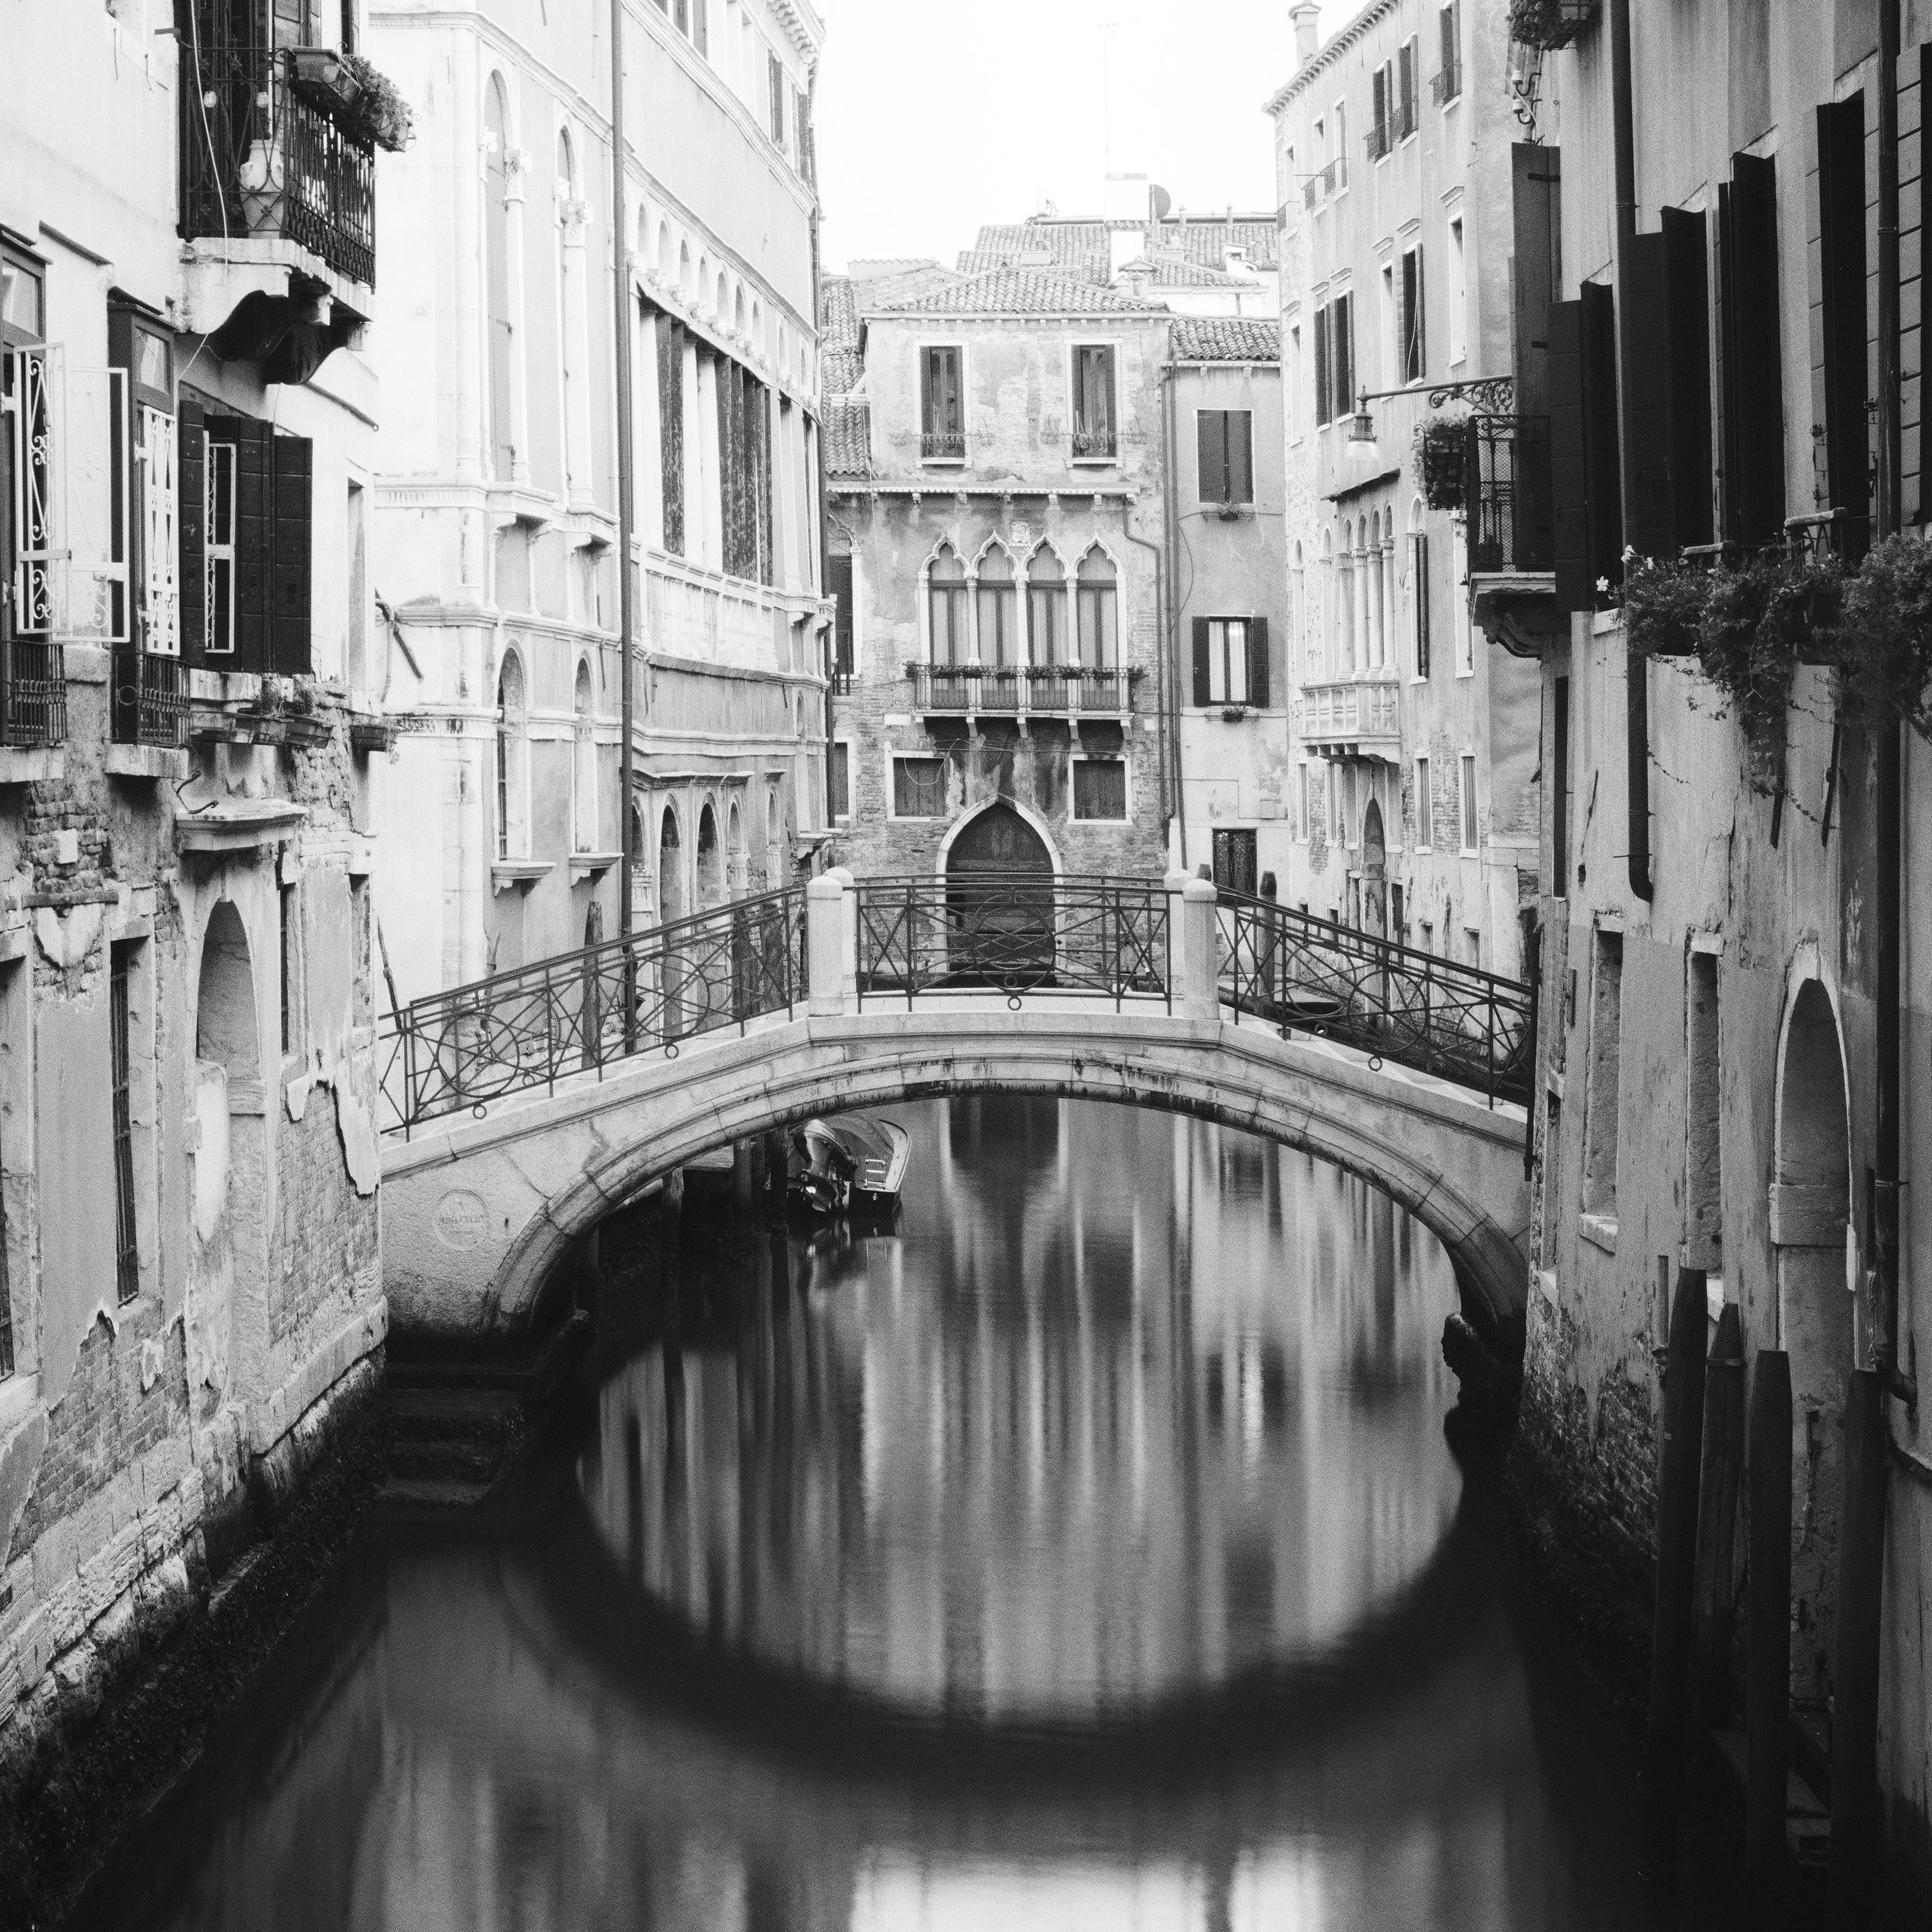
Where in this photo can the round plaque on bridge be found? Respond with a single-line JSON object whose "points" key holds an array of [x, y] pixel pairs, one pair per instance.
{"points": [[462, 1219]]}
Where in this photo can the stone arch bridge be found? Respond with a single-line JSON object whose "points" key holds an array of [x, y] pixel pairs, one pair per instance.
{"points": [[522, 1110]]}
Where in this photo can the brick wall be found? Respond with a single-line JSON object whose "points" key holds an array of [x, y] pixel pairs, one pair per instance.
{"points": [[324, 1240]]}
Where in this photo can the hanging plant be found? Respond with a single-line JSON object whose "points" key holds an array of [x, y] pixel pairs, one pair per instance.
{"points": [[1750, 662], [1884, 633], [1664, 606], [1549, 24], [1441, 445], [378, 112]]}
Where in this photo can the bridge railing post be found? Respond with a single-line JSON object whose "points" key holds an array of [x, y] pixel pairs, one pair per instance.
{"points": [[1200, 962], [1176, 884], [825, 899], [848, 941]]}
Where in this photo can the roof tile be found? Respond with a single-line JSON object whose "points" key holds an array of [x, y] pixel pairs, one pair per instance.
{"points": [[1226, 338]]}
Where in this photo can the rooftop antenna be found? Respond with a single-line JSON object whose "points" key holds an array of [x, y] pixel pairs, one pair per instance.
{"points": [[1107, 97]]}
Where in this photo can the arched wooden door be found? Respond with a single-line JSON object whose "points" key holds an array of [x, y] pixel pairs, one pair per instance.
{"points": [[1375, 872], [999, 901]]}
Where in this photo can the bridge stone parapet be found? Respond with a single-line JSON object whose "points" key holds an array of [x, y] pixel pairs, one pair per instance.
{"points": [[478, 1212]]}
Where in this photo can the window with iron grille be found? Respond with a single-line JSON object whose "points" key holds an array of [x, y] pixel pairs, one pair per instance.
{"points": [[1094, 438], [919, 788], [127, 1249], [1100, 788], [942, 410]]}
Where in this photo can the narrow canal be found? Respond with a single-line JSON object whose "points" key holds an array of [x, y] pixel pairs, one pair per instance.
{"points": [[1085, 1551]]}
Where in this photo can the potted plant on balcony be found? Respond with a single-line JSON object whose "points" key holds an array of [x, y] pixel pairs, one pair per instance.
{"points": [[1441, 445], [378, 113], [1549, 24], [325, 76], [1884, 643], [1663, 605]]}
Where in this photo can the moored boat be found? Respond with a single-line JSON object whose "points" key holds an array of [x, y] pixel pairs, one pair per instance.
{"points": [[852, 1164]]}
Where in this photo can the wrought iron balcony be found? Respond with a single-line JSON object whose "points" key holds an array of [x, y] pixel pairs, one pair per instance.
{"points": [[1348, 718], [942, 446], [150, 699], [1506, 494], [1094, 445], [1447, 85], [1335, 176], [1379, 142], [261, 157], [1025, 691], [33, 692], [1311, 191]]}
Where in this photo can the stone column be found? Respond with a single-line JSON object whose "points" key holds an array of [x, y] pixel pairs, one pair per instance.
{"points": [[825, 946], [848, 934], [578, 466], [1200, 954]]}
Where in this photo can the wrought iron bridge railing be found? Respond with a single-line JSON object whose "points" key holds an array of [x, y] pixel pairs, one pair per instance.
{"points": [[581, 1012], [1296, 970], [1015, 933]]}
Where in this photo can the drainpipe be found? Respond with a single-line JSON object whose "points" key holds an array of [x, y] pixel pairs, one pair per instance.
{"points": [[828, 650], [626, 486], [1884, 1217], [1637, 671], [1170, 703]]}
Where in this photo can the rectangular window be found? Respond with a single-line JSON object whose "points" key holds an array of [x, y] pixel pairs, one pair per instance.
{"points": [[841, 778], [839, 581], [919, 788], [1225, 440], [127, 1245], [1301, 801], [1405, 91], [1227, 661], [1094, 438], [1601, 1100], [1469, 788], [1703, 1196], [942, 405], [1100, 788], [219, 473], [1459, 294], [1412, 331], [1381, 88], [1425, 808], [776, 69], [1449, 80], [286, 907], [1342, 354], [1235, 862]]}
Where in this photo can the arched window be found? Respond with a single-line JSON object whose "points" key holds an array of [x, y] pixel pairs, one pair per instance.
{"points": [[512, 812], [496, 276], [1098, 611], [1418, 587], [1298, 610], [1046, 608], [998, 613], [665, 263], [670, 869], [710, 862], [946, 591], [1345, 601], [583, 766], [1320, 644], [776, 855], [737, 860]]}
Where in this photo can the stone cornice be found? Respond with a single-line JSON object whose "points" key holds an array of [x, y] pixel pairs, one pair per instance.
{"points": [[1326, 55]]}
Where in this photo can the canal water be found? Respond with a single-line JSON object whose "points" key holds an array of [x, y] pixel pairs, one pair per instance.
{"points": [[1083, 1550]]}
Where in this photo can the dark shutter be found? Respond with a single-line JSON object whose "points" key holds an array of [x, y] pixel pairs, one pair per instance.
{"points": [[1212, 438], [1405, 87], [1344, 354], [1569, 466], [1605, 485], [1841, 243], [254, 537], [1321, 388], [1652, 533], [191, 525], [1103, 371], [1419, 542], [1536, 175], [1380, 129], [954, 424], [1203, 681], [761, 438], [1754, 361], [839, 581], [1687, 312], [1410, 331], [1241, 456], [727, 522], [292, 464], [670, 430], [1258, 663]]}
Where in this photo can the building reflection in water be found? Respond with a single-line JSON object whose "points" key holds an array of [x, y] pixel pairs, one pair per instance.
{"points": [[1129, 1404]]}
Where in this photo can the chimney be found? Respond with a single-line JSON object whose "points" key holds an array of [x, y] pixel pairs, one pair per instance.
{"points": [[1307, 19]]}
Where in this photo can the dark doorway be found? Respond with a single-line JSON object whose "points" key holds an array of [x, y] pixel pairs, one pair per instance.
{"points": [[999, 901], [1234, 863]]}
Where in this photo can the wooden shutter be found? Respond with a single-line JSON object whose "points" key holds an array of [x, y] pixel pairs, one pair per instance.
{"points": [[191, 523], [1418, 545], [254, 491], [1212, 439], [839, 581], [292, 468], [1100, 396], [1569, 465], [1405, 86], [1381, 107], [1754, 361], [1841, 245], [1687, 313], [1321, 385], [1446, 21], [1410, 324], [1536, 180], [1258, 663], [1240, 440], [1343, 354], [1647, 353], [1203, 679], [1601, 440], [670, 430]]}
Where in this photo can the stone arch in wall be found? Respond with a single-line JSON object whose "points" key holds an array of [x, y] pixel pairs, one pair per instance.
{"points": [[227, 1329], [643, 892], [710, 860], [1810, 1223], [673, 901], [1375, 871], [776, 864], [583, 763], [737, 860], [510, 803]]}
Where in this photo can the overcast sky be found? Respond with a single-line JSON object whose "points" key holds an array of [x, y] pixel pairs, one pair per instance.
{"points": [[936, 115]]}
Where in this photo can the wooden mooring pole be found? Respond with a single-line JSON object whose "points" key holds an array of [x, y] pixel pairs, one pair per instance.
{"points": [[1722, 1471], [1858, 1837], [1768, 1660], [1676, 1531]]}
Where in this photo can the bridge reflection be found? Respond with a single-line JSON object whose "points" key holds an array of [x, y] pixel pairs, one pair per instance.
{"points": [[1132, 1406]]}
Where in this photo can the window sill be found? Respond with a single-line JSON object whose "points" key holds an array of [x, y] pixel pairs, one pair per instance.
{"points": [[1599, 1230], [42, 764], [591, 864], [519, 873], [146, 761], [942, 463], [1095, 462]]}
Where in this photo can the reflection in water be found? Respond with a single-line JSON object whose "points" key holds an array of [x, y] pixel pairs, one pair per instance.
{"points": [[1129, 1405]]}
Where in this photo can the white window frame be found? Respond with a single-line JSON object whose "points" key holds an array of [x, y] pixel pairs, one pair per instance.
{"points": [[1425, 808], [218, 550], [919, 347], [893, 812], [1075, 815], [1221, 666], [1073, 350], [1468, 830]]}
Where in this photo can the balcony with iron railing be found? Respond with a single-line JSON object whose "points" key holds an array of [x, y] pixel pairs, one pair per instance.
{"points": [[1335, 176], [267, 156], [1311, 191], [1023, 691], [942, 445], [1379, 143], [1447, 85], [150, 699], [1506, 495], [1353, 718], [33, 693], [1095, 445]]}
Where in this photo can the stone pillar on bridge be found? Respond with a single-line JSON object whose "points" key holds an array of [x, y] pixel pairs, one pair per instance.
{"points": [[1200, 951], [825, 923], [848, 919], [1176, 885]]}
